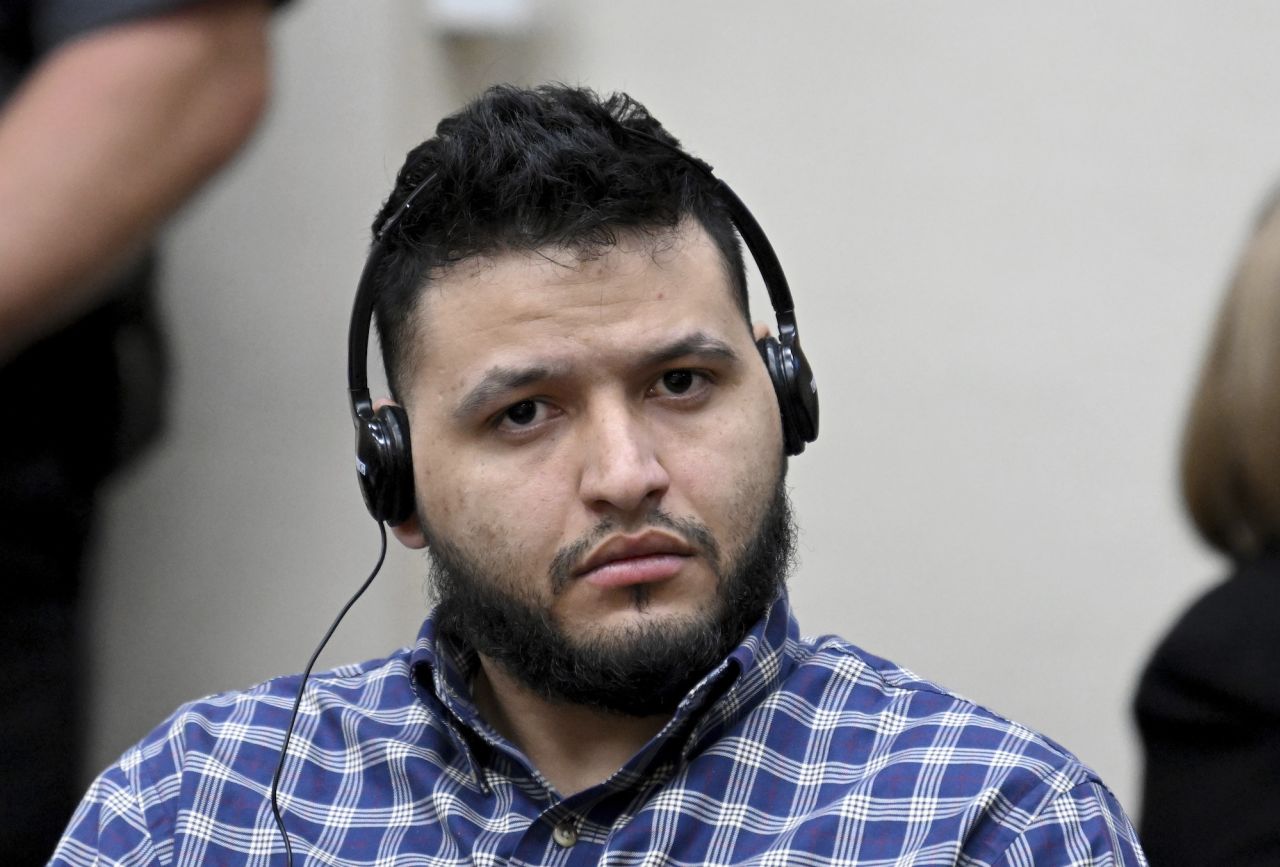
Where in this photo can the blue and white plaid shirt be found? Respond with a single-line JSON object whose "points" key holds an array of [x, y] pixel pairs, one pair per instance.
{"points": [[791, 752]]}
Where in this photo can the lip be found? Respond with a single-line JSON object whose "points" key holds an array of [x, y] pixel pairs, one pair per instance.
{"points": [[640, 559]]}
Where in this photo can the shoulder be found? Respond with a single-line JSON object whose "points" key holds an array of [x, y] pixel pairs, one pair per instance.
{"points": [[1244, 607], [1084, 825], [213, 759], [348, 685], [916, 756], [254, 720], [893, 701], [1221, 649]]}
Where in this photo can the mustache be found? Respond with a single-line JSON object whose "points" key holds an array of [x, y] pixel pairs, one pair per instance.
{"points": [[695, 533]]}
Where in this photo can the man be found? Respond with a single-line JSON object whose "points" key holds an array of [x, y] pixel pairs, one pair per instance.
{"points": [[112, 113], [611, 673]]}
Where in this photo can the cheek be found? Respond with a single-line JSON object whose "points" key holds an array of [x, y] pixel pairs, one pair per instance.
{"points": [[728, 476], [492, 509], [754, 430]]}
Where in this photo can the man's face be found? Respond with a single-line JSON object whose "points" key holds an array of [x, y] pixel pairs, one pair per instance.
{"points": [[596, 446]]}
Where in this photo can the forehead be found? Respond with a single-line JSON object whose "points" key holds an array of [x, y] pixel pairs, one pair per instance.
{"points": [[560, 305]]}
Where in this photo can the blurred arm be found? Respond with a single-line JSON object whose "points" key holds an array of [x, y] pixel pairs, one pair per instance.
{"points": [[105, 138]]}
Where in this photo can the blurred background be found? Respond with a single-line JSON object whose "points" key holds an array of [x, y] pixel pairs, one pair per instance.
{"points": [[1007, 227]]}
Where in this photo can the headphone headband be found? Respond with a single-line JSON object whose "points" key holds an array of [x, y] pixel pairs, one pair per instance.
{"points": [[753, 236], [362, 310], [775, 281]]}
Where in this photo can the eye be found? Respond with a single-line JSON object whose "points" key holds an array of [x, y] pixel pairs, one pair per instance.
{"points": [[522, 415], [680, 382]]}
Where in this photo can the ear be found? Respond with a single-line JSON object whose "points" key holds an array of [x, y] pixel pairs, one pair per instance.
{"points": [[409, 532], [760, 330]]}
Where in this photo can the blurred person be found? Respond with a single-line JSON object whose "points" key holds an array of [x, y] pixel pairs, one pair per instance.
{"points": [[611, 672], [112, 113], [1208, 704]]}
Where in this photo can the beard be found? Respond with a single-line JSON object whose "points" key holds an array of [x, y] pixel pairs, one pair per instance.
{"points": [[642, 669]]}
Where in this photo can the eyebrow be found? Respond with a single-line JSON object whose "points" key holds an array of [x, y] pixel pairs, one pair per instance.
{"points": [[699, 344], [499, 380]]}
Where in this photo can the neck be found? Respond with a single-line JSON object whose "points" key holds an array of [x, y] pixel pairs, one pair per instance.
{"points": [[574, 747]]}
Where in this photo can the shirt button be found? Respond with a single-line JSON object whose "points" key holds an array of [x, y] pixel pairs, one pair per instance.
{"points": [[565, 834]]}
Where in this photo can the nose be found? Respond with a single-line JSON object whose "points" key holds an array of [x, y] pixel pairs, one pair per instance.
{"points": [[621, 469]]}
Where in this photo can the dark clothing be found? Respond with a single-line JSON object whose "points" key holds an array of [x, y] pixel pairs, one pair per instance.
{"points": [[40, 715], [1208, 707], [78, 404]]}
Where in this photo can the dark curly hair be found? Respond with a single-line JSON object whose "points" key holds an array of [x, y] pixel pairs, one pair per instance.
{"points": [[522, 169]]}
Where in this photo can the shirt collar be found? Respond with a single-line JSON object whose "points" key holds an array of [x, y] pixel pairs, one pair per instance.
{"points": [[753, 670]]}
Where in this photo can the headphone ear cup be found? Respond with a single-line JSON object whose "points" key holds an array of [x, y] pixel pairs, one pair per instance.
{"points": [[796, 390], [400, 493], [384, 464], [771, 352]]}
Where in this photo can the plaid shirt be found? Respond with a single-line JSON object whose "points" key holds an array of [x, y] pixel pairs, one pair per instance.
{"points": [[791, 752]]}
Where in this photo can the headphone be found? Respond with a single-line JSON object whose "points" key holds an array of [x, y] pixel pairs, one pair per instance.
{"points": [[384, 463]]}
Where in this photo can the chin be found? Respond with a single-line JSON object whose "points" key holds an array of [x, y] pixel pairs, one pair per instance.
{"points": [[674, 600], [621, 623]]}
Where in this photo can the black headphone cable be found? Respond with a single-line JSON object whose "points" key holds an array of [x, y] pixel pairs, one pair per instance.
{"points": [[297, 701]]}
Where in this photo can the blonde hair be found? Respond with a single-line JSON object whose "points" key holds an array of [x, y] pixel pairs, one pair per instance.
{"points": [[1231, 444]]}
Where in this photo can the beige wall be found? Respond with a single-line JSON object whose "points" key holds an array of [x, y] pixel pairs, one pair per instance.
{"points": [[1006, 225]]}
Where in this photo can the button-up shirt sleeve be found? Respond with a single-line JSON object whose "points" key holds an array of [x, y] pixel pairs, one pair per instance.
{"points": [[110, 825], [1082, 827]]}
